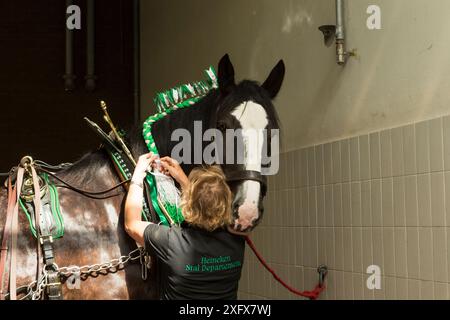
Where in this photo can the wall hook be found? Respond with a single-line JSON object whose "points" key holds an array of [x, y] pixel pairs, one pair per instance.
{"points": [[323, 271]]}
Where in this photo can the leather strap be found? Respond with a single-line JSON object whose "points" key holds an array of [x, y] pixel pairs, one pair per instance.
{"points": [[248, 175], [123, 167], [47, 249], [54, 287], [11, 230], [15, 231], [36, 199], [37, 217], [5, 239]]}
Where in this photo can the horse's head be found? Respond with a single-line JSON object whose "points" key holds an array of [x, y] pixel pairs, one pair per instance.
{"points": [[247, 119]]}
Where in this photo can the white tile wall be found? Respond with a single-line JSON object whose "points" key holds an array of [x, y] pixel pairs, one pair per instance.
{"points": [[381, 198]]}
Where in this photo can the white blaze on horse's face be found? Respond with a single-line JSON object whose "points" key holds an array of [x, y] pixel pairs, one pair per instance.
{"points": [[253, 120]]}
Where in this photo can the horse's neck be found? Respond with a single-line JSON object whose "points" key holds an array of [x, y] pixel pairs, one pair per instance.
{"points": [[186, 118]]}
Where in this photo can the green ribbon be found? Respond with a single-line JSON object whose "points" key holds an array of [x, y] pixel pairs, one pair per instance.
{"points": [[154, 196], [166, 103]]}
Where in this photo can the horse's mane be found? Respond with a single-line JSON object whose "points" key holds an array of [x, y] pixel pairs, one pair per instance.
{"points": [[84, 171], [135, 141]]}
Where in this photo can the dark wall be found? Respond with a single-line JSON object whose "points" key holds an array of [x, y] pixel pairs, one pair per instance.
{"points": [[37, 116]]}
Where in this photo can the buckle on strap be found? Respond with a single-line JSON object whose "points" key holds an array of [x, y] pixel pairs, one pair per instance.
{"points": [[54, 286], [46, 239], [47, 248]]}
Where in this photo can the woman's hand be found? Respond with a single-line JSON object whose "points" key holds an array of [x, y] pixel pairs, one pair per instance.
{"points": [[172, 167], [133, 204], [142, 165]]}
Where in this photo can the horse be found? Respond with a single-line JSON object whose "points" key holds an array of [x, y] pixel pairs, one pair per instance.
{"points": [[94, 228]]}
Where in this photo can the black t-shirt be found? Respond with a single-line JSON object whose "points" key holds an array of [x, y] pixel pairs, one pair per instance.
{"points": [[196, 264]]}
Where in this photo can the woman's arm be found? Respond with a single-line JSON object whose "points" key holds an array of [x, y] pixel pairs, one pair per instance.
{"points": [[133, 204]]}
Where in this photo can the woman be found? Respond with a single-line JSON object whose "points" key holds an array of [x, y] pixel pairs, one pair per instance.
{"points": [[200, 259]]}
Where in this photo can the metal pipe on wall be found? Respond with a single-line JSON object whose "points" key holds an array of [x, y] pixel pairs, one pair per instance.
{"points": [[136, 60], [69, 76], [90, 47], [341, 55]]}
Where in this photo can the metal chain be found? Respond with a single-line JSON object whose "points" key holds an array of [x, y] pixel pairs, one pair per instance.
{"points": [[114, 264], [37, 295]]}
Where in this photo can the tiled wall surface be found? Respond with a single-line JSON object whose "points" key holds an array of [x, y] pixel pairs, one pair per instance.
{"points": [[378, 199]]}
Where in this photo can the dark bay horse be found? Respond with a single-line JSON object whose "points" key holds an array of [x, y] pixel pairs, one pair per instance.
{"points": [[94, 231]]}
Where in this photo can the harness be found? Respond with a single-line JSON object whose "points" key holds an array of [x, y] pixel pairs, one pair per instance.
{"points": [[37, 199], [51, 220], [46, 224], [37, 196]]}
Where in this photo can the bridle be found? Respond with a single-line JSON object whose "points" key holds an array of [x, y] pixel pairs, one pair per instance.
{"points": [[252, 175], [239, 175]]}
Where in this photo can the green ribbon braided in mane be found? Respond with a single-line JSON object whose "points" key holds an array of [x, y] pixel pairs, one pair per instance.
{"points": [[167, 102]]}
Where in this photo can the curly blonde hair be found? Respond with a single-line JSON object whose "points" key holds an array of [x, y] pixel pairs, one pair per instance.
{"points": [[206, 203]]}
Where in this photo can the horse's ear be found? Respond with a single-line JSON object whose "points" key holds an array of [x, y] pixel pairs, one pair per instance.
{"points": [[226, 74], [275, 79]]}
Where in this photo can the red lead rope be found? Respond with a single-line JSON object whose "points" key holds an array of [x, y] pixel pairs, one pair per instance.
{"points": [[313, 295]]}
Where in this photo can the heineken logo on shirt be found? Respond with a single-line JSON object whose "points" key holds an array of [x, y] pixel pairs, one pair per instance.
{"points": [[213, 264]]}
